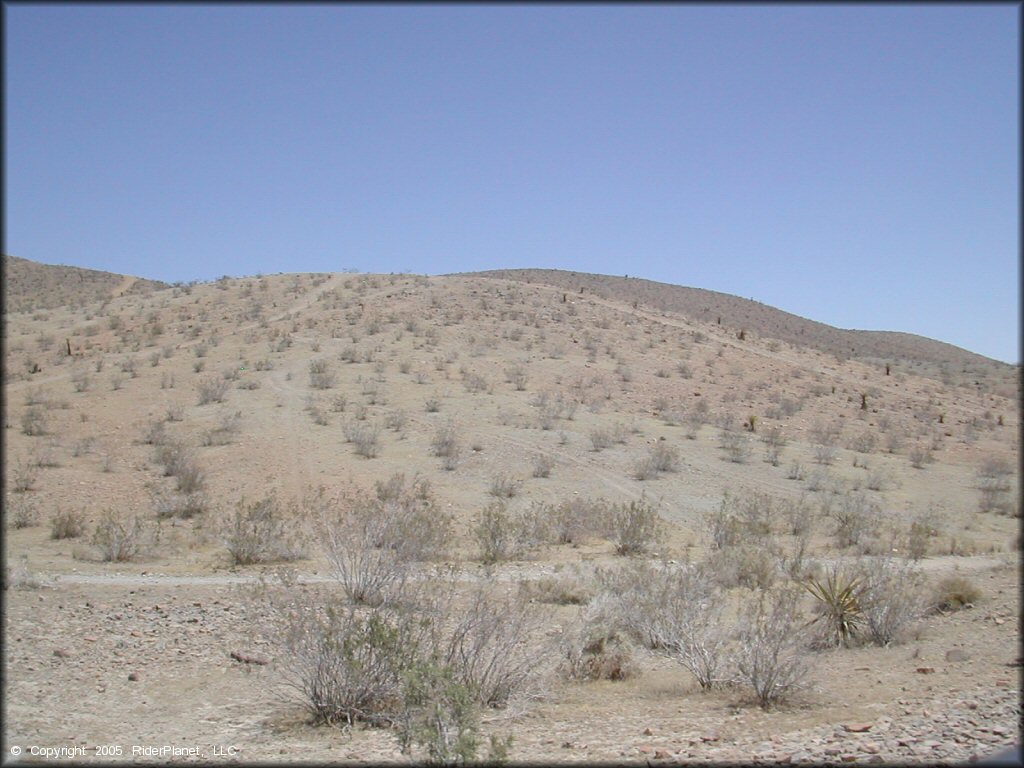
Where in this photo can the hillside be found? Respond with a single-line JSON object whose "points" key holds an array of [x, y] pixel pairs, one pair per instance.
{"points": [[31, 286], [927, 356], [185, 490]]}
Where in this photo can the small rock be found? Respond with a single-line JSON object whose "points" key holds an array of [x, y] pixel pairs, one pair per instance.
{"points": [[857, 727], [60, 653], [870, 747], [648, 732], [133, 676], [712, 736], [925, 670], [661, 754]]}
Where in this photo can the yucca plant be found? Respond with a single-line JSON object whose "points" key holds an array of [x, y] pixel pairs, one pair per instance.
{"points": [[839, 609]]}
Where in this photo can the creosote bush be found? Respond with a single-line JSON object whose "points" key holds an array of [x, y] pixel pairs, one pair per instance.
{"points": [[632, 526], [373, 541], [67, 524], [771, 657], [118, 537], [262, 532]]}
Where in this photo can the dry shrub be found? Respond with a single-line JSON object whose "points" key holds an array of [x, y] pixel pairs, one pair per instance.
{"points": [[372, 542], [502, 535], [67, 524], [212, 390], [590, 654], [771, 656], [504, 486], [632, 527], [344, 664], [744, 518], [754, 566], [33, 422], [995, 486], [891, 598], [119, 537], [562, 589], [491, 646], [22, 512], [955, 592], [676, 610], [574, 519], [262, 532], [364, 437], [857, 518]]}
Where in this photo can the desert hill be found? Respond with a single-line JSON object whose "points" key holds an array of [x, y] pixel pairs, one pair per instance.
{"points": [[201, 436], [30, 285], [925, 355]]}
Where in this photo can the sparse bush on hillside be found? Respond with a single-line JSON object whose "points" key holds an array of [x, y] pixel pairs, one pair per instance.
{"points": [[500, 535], [771, 657], [33, 422], [504, 486], [445, 443], [489, 647], [632, 527], [365, 438], [22, 512], [320, 375], [67, 524], [542, 465], [119, 537], [995, 484], [372, 541], [891, 598], [857, 519], [775, 442], [212, 390], [24, 476], [675, 610], [261, 532]]}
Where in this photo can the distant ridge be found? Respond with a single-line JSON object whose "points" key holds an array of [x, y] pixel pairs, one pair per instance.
{"points": [[29, 285], [881, 347]]}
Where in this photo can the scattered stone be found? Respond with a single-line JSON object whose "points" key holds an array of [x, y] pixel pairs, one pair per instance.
{"points": [[857, 727], [661, 754], [648, 732], [925, 670], [133, 676], [60, 653]]}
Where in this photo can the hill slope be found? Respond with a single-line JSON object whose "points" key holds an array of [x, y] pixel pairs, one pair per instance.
{"points": [[29, 285], [930, 356]]}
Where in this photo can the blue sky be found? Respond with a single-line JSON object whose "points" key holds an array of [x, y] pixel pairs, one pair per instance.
{"points": [[857, 165]]}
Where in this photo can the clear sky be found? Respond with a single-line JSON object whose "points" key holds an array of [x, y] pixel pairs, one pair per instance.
{"points": [[856, 165]]}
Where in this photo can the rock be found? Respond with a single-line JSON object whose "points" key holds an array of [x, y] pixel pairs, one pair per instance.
{"points": [[133, 676], [870, 747], [661, 754], [925, 670], [60, 653], [711, 736], [648, 732], [957, 655], [857, 727]]}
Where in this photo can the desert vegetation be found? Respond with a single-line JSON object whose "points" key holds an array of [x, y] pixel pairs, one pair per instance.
{"points": [[453, 507]]}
